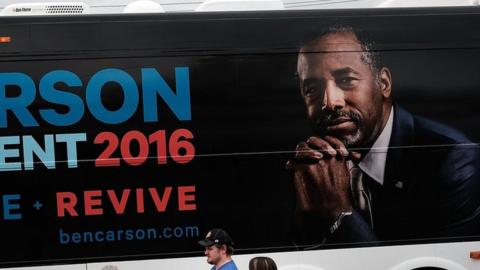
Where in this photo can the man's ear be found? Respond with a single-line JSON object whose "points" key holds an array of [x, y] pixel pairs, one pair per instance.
{"points": [[223, 248], [385, 80]]}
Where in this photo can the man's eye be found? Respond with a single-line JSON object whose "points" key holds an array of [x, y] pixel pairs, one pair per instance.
{"points": [[308, 91], [346, 81], [311, 90]]}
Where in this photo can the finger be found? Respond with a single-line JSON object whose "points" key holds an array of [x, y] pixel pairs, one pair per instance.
{"points": [[303, 152], [338, 145], [297, 162], [308, 155], [340, 176], [293, 164], [313, 173], [301, 146], [355, 156], [301, 192], [322, 145], [289, 165]]}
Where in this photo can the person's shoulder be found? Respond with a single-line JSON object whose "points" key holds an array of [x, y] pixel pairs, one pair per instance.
{"points": [[229, 266], [412, 129], [232, 265], [438, 133]]}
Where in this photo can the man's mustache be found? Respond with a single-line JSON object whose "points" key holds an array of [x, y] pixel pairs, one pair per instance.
{"points": [[331, 117]]}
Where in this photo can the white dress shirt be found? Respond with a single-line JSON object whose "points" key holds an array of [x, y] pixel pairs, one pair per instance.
{"points": [[373, 164]]}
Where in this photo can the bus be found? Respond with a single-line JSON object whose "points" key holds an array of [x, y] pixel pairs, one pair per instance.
{"points": [[127, 137]]}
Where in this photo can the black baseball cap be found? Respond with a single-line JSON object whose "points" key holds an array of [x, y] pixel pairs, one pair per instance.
{"points": [[216, 237]]}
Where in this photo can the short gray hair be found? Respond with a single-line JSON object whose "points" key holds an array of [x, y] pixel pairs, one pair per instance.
{"points": [[369, 55]]}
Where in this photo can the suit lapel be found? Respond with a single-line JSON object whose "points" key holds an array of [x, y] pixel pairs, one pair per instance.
{"points": [[397, 163]]}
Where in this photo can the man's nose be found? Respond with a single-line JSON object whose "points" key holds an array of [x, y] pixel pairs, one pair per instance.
{"points": [[206, 252], [334, 97]]}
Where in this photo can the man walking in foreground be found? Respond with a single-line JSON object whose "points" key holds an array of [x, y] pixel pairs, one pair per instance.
{"points": [[219, 250]]}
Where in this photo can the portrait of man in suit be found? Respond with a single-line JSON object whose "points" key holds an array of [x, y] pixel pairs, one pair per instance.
{"points": [[372, 171]]}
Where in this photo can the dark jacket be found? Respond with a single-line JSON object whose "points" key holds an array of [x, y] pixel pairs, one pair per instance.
{"points": [[431, 187]]}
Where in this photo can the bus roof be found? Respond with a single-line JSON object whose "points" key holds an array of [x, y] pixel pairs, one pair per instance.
{"points": [[20, 7]]}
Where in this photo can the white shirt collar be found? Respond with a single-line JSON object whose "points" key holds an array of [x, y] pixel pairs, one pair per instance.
{"points": [[373, 164]]}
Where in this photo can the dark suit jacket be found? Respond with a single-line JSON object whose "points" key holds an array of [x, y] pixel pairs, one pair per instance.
{"points": [[431, 186]]}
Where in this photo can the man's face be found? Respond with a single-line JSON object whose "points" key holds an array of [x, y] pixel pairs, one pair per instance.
{"points": [[342, 95], [214, 254]]}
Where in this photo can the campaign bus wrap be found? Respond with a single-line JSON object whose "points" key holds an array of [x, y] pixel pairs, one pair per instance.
{"points": [[132, 136]]}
